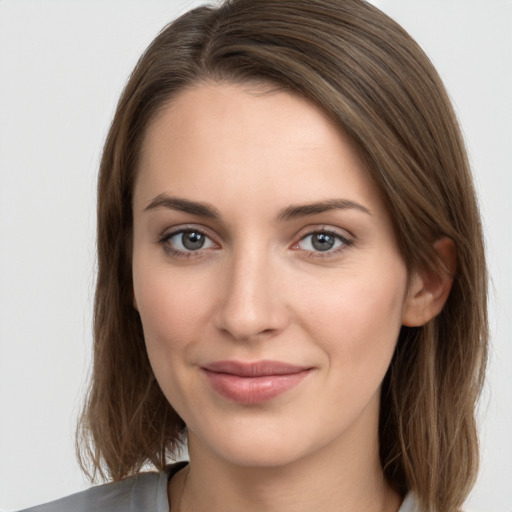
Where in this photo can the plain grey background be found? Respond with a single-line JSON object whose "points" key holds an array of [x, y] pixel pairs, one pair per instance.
{"points": [[63, 64]]}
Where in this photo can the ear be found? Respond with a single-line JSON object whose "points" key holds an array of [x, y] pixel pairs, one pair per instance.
{"points": [[429, 289]]}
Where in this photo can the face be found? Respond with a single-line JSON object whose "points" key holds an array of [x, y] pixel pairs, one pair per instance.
{"points": [[266, 274]]}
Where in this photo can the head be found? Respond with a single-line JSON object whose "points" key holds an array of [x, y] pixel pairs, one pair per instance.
{"points": [[376, 86]]}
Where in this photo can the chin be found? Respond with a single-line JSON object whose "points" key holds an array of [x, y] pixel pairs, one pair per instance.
{"points": [[259, 445], [262, 454]]}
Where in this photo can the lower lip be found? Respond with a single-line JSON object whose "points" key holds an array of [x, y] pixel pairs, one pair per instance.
{"points": [[253, 390]]}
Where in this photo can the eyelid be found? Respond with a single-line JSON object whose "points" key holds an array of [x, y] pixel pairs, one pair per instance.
{"points": [[169, 233], [342, 234]]}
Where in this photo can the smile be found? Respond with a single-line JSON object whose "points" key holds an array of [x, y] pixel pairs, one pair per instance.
{"points": [[253, 383]]}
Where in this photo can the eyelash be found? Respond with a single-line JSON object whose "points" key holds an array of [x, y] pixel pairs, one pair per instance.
{"points": [[164, 241], [345, 243]]}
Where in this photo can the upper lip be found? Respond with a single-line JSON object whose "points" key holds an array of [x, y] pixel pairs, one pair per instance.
{"points": [[254, 369]]}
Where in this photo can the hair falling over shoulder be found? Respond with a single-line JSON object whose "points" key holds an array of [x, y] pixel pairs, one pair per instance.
{"points": [[375, 82]]}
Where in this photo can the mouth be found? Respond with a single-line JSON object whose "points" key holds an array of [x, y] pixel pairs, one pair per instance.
{"points": [[253, 383]]}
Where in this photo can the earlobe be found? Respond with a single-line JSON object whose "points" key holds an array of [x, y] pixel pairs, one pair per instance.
{"points": [[429, 289]]}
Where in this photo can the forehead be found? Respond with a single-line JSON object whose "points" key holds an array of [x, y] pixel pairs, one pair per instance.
{"points": [[226, 140]]}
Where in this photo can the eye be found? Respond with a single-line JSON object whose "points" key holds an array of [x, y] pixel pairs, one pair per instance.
{"points": [[187, 241], [322, 241]]}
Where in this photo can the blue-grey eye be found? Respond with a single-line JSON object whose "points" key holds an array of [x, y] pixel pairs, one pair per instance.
{"points": [[190, 240], [321, 242]]}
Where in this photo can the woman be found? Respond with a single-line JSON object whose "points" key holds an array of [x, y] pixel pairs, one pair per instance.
{"points": [[291, 272]]}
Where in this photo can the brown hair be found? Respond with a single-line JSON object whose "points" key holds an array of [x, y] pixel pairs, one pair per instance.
{"points": [[374, 81]]}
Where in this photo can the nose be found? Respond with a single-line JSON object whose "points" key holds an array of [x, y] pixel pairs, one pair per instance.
{"points": [[252, 304]]}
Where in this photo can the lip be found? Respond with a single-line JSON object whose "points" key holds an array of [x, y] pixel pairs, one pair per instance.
{"points": [[251, 383]]}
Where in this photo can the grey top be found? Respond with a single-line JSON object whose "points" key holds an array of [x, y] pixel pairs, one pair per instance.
{"points": [[145, 492]]}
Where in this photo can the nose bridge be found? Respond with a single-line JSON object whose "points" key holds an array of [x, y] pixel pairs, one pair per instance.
{"points": [[251, 304]]}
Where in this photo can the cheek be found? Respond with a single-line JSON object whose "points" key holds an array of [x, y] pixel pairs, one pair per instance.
{"points": [[173, 321], [357, 323], [170, 310]]}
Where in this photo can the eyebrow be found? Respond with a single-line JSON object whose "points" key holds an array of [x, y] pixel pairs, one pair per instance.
{"points": [[183, 205], [298, 211], [289, 213]]}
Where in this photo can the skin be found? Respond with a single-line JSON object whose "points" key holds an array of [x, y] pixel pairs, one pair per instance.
{"points": [[259, 290]]}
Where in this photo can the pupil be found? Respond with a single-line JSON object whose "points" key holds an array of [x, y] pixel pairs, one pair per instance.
{"points": [[322, 241], [192, 240]]}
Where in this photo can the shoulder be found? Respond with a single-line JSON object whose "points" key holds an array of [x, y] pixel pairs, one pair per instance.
{"points": [[410, 503], [145, 491]]}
